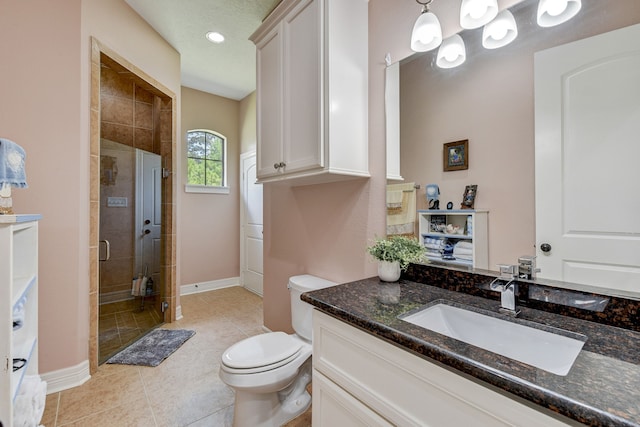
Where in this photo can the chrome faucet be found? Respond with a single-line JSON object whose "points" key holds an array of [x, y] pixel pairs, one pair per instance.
{"points": [[508, 288], [527, 267]]}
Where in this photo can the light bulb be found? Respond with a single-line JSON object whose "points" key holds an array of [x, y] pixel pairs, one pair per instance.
{"points": [[476, 13], [451, 53], [557, 7], [427, 33], [555, 12], [425, 36], [214, 36], [500, 32]]}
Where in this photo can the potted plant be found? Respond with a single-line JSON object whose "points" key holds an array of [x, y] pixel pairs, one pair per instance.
{"points": [[394, 254]]}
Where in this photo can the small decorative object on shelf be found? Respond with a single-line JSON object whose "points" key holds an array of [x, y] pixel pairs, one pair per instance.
{"points": [[469, 197], [394, 254], [433, 196], [12, 173], [449, 205]]}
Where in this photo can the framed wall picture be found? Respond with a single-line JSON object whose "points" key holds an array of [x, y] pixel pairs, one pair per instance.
{"points": [[456, 155]]}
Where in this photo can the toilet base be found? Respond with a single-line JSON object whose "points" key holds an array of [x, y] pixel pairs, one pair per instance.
{"points": [[277, 408]]}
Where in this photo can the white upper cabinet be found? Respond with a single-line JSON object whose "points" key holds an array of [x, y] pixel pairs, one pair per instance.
{"points": [[312, 91]]}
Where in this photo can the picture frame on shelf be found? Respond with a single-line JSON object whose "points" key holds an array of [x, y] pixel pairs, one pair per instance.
{"points": [[456, 156], [469, 197]]}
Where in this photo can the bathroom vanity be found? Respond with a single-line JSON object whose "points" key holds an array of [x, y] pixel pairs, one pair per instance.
{"points": [[373, 368]]}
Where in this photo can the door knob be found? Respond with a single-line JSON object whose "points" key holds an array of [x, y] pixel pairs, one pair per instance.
{"points": [[147, 231], [545, 247], [147, 222]]}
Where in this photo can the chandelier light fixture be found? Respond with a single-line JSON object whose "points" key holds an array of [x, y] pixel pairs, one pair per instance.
{"points": [[427, 32], [476, 13], [500, 32], [452, 52], [555, 12]]}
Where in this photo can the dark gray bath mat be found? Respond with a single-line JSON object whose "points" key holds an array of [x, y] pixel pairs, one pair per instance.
{"points": [[153, 348]]}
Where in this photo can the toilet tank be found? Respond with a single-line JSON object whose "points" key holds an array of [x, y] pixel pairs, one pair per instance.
{"points": [[300, 310]]}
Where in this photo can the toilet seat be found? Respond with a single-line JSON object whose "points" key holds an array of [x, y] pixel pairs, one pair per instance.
{"points": [[261, 352]]}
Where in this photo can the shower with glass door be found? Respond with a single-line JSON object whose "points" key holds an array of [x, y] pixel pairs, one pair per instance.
{"points": [[130, 246]]}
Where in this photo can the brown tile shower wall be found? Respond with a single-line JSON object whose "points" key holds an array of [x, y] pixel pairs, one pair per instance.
{"points": [[127, 112]]}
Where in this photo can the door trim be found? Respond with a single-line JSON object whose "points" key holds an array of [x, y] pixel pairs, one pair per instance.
{"points": [[169, 209]]}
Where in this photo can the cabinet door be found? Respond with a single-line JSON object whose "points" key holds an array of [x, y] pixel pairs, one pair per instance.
{"points": [[332, 406], [269, 103], [303, 133]]}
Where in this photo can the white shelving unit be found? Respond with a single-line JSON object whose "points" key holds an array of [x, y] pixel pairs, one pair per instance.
{"points": [[18, 285], [476, 234]]}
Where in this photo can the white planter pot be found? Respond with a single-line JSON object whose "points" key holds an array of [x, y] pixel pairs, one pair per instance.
{"points": [[389, 271]]}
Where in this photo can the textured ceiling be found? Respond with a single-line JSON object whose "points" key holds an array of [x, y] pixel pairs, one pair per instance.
{"points": [[227, 69]]}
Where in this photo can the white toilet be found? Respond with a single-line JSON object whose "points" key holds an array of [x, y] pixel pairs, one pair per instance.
{"points": [[270, 372]]}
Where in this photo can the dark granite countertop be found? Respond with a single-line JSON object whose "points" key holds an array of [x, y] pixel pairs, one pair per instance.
{"points": [[601, 389]]}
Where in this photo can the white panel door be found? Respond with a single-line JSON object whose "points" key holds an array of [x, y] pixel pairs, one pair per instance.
{"points": [[251, 226], [587, 150], [148, 214]]}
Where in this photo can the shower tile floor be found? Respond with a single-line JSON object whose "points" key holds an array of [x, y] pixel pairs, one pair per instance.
{"points": [[121, 323], [184, 390]]}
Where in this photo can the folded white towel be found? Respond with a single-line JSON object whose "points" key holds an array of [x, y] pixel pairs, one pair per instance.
{"points": [[462, 251], [30, 401], [466, 245], [463, 257]]}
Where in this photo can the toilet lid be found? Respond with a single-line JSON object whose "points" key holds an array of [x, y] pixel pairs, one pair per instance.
{"points": [[261, 350]]}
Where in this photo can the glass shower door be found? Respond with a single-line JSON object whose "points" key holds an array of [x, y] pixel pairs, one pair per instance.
{"points": [[130, 291]]}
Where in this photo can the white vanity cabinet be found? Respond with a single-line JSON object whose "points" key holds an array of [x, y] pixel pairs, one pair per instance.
{"points": [[19, 292], [471, 228], [361, 380], [312, 91]]}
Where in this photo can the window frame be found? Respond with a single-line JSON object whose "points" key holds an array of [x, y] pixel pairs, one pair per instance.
{"points": [[203, 188]]}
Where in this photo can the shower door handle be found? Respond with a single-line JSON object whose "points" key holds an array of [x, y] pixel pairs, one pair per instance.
{"points": [[107, 250]]}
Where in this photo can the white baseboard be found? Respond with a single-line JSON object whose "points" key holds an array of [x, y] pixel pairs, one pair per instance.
{"points": [[209, 286], [67, 378]]}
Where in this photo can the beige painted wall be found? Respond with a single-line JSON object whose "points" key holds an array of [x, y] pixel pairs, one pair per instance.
{"points": [[489, 100], [248, 123], [45, 108], [210, 227]]}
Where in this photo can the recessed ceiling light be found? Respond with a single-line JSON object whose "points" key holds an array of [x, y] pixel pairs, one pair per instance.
{"points": [[215, 37]]}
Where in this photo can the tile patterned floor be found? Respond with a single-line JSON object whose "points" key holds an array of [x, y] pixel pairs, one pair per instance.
{"points": [[121, 323], [185, 389]]}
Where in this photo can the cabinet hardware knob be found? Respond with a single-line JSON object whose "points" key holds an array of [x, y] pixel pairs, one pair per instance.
{"points": [[276, 166]]}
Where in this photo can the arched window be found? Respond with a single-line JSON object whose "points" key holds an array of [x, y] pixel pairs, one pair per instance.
{"points": [[206, 161]]}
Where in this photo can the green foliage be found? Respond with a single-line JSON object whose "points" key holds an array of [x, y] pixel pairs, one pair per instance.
{"points": [[403, 249], [205, 158]]}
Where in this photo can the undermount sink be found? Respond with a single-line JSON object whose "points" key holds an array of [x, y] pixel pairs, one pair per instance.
{"points": [[551, 349]]}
